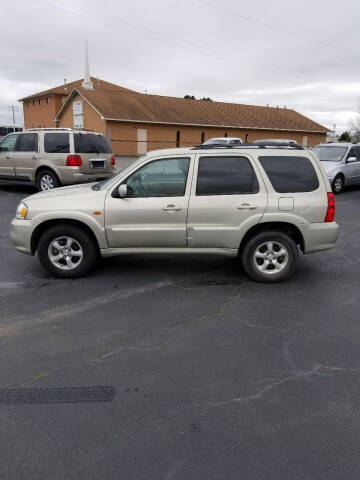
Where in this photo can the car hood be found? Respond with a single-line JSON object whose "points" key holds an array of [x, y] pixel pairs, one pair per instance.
{"points": [[59, 192], [329, 165]]}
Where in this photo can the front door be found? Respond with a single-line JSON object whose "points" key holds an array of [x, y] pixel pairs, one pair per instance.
{"points": [[26, 154], [154, 212], [7, 156], [228, 198], [353, 168]]}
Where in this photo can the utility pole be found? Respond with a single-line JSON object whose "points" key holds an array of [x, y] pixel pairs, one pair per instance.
{"points": [[334, 131]]}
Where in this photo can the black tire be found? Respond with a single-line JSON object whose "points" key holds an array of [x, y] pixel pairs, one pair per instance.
{"points": [[252, 265], [338, 184], [50, 176], [81, 238]]}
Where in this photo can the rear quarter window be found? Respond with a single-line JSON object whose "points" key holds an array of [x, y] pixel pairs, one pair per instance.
{"points": [[91, 143], [290, 174], [56, 143]]}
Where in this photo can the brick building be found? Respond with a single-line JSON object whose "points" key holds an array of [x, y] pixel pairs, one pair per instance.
{"points": [[136, 122]]}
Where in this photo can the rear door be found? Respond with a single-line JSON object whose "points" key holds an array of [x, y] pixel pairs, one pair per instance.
{"points": [[228, 197], [7, 146], [95, 152], [26, 154]]}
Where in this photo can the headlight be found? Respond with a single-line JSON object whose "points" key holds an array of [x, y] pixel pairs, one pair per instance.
{"points": [[21, 211]]}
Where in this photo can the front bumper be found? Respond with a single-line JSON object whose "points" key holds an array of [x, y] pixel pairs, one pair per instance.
{"points": [[20, 234], [319, 236]]}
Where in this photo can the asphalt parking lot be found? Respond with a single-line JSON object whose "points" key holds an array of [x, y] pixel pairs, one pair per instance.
{"points": [[208, 374]]}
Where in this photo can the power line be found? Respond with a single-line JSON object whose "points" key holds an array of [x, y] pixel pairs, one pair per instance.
{"points": [[275, 27], [193, 47]]}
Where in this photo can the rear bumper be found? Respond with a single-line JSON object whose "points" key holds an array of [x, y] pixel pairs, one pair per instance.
{"points": [[319, 236], [70, 175]]}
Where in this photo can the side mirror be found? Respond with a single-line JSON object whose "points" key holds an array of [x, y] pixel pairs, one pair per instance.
{"points": [[352, 159], [122, 190]]}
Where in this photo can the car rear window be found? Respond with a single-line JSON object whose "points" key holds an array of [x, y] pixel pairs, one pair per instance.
{"points": [[290, 174], [91, 143], [226, 176], [56, 143]]}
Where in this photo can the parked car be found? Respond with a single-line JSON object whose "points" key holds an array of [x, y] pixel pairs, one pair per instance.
{"points": [[341, 162], [223, 141], [256, 203], [51, 157], [275, 140]]}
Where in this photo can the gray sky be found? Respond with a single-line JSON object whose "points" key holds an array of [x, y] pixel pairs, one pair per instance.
{"points": [[305, 55]]}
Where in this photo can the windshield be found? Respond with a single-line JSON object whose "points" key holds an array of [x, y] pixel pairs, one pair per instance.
{"points": [[112, 180], [330, 153], [216, 141]]}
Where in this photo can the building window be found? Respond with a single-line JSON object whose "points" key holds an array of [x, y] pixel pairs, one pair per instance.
{"points": [[33, 103], [178, 138], [225, 134], [27, 104], [47, 100], [39, 101], [202, 137]]}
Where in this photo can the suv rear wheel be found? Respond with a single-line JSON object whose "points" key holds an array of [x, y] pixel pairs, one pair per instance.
{"points": [[46, 180], [66, 251], [270, 257]]}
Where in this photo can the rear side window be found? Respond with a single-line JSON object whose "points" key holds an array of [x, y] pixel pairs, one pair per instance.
{"points": [[91, 143], [56, 143], [226, 176], [290, 174], [27, 142]]}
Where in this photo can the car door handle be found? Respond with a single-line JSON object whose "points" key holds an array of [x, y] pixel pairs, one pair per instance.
{"points": [[8, 158], [35, 157], [247, 206], [172, 208]]}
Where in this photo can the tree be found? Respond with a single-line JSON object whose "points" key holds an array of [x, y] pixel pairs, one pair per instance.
{"points": [[190, 97], [206, 99], [355, 129], [345, 137]]}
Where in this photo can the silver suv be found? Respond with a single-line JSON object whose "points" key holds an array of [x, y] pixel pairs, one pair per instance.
{"points": [[262, 204], [52, 157], [341, 162]]}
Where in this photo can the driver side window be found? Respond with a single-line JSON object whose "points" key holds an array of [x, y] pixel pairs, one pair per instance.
{"points": [[160, 178], [8, 144]]}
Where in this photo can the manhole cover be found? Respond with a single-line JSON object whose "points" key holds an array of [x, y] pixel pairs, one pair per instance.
{"points": [[16, 396]]}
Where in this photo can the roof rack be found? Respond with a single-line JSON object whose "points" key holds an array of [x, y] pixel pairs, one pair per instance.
{"points": [[48, 128], [250, 145]]}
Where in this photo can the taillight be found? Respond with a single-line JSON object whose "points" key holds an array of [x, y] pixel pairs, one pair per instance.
{"points": [[73, 161], [330, 214], [112, 159]]}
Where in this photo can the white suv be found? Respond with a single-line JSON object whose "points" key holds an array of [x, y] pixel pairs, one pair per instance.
{"points": [[259, 203]]}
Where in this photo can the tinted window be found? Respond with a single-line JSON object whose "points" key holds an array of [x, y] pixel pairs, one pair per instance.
{"points": [[161, 178], [290, 174], [56, 142], [27, 142], [8, 144], [91, 143], [226, 176], [330, 153]]}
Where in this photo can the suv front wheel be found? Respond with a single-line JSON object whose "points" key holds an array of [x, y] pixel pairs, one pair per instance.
{"points": [[270, 257], [67, 251]]}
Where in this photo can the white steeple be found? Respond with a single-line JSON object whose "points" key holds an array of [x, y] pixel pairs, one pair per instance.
{"points": [[87, 83]]}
